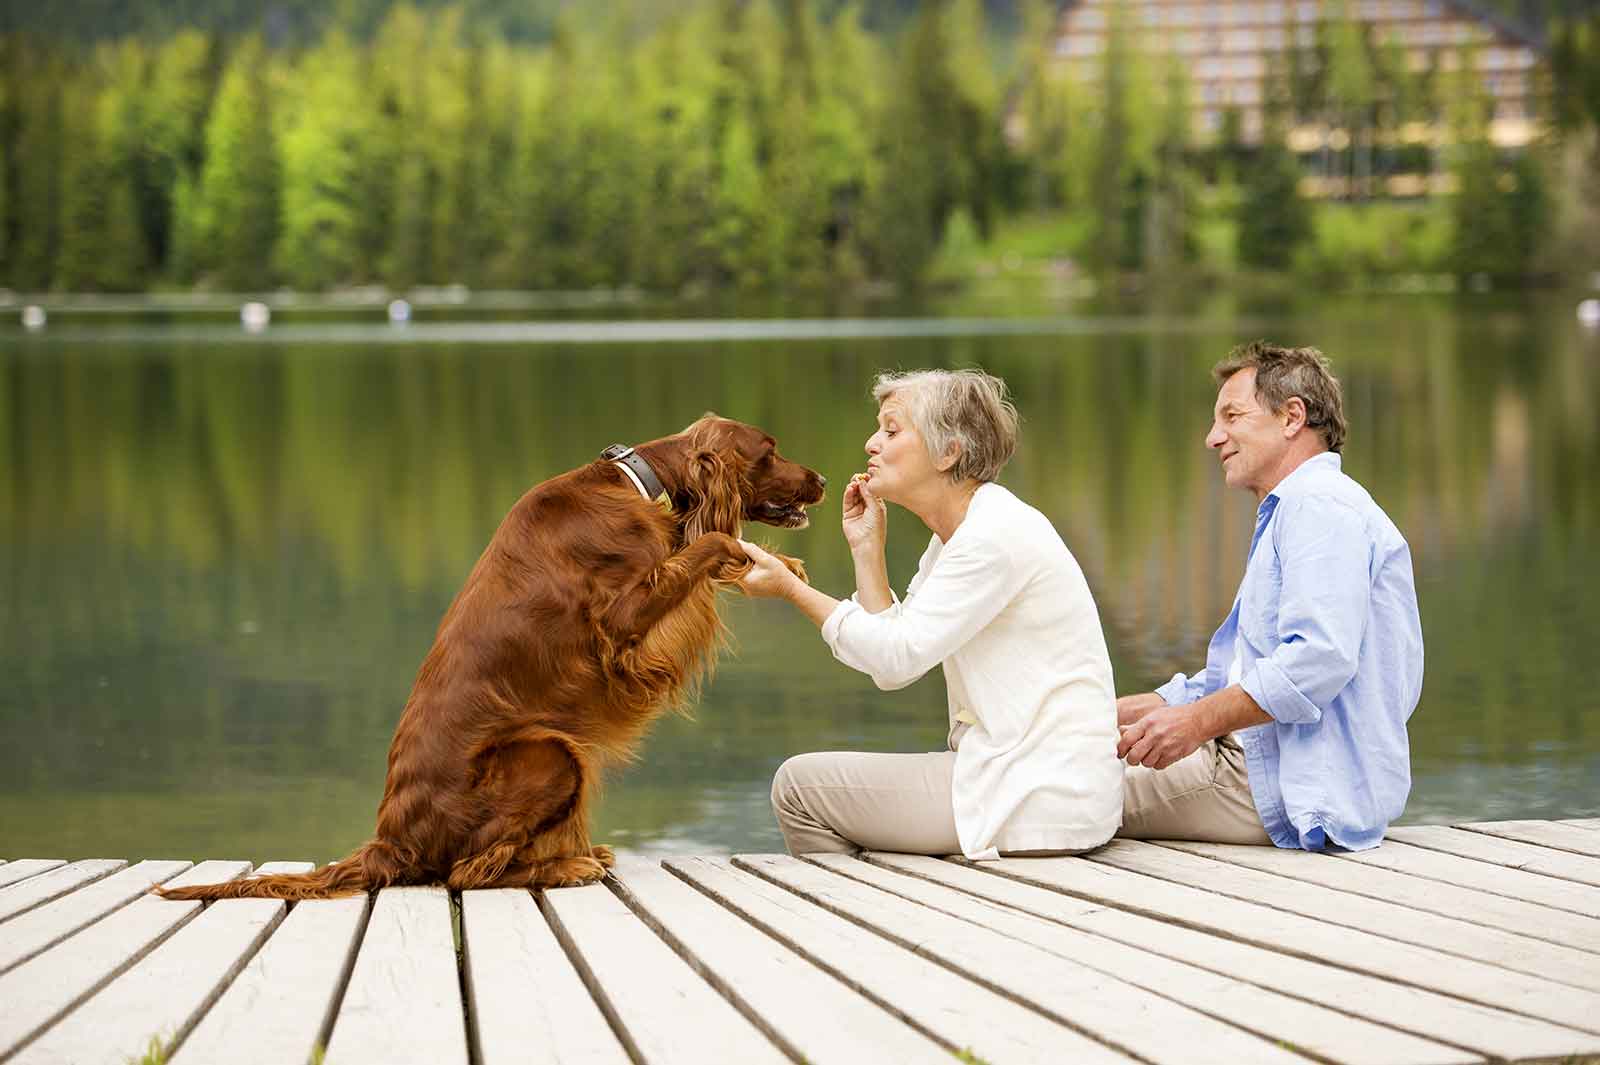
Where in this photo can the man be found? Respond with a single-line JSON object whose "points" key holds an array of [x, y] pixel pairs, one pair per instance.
{"points": [[1295, 734]]}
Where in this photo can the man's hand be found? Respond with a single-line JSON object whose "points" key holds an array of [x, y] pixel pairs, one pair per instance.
{"points": [[1160, 736], [1131, 708]]}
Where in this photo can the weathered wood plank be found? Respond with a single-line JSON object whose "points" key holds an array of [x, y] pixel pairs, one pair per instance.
{"points": [[1287, 1021], [40, 928], [957, 1012], [527, 1002], [280, 1006], [661, 1009], [777, 988], [41, 990], [1448, 900], [1503, 950], [1541, 833], [1271, 927], [1581, 822], [403, 1003], [161, 996], [1441, 1017], [1113, 1011], [22, 868], [1478, 847], [37, 890], [1437, 866]]}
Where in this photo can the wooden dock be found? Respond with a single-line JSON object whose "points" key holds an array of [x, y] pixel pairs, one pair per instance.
{"points": [[1478, 942]]}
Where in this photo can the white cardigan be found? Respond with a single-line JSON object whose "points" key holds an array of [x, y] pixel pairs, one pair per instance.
{"points": [[1005, 609]]}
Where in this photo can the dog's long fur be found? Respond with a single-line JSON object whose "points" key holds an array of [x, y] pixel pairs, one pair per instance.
{"points": [[590, 612]]}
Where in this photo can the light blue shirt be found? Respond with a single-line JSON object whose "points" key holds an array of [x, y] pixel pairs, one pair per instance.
{"points": [[1329, 643]]}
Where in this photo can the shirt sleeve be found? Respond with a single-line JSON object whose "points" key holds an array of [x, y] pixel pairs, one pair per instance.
{"points": [[1325, 561], [967, 586], [1182, 689]]}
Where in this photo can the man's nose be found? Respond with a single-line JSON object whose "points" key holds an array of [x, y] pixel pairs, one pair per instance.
{"points": [[1215, 437]]}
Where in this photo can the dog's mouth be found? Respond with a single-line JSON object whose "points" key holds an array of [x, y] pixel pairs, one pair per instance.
{"points": [[782, 515]]}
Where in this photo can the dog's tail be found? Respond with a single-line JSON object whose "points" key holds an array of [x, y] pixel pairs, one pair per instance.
{"points": [[374, 866]]}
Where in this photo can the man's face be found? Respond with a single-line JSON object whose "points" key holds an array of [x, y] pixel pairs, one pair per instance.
{"points": [[1248, 438]]}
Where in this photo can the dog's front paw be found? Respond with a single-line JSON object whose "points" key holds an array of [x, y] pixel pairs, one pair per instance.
{"points": [[794, 566], [569, 872]]}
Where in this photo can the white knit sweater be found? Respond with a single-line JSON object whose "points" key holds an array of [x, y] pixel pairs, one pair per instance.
{"points": [[1005, 609]]}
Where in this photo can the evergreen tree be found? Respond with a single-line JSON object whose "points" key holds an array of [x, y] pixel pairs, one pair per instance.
{"points": [[1274, 220], [237, 195]]}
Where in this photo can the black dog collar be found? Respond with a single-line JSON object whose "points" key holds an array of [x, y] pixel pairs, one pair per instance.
{"points": [[640, 473]]}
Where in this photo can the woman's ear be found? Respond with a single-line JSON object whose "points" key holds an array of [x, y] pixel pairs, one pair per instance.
{"points": [[715, 505], [947, 461]]}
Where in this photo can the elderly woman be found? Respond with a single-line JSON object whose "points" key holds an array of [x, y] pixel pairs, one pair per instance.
{"points": [[1001, 604]]}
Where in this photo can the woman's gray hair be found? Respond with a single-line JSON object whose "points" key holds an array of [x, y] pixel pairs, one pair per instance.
{"points": [[967, 408]]}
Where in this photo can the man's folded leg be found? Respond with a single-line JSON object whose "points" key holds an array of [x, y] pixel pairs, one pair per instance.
{"points": [[1205, 796]]}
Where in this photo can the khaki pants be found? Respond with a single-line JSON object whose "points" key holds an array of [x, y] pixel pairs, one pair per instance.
{"points": [[1205, 796], [847, 801]]}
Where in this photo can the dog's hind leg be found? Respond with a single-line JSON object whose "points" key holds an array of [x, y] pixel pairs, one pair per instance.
{"points": [[534, 789]]}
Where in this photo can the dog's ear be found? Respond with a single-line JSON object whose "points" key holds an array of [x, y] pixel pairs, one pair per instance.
{"points": [[715, 505]]}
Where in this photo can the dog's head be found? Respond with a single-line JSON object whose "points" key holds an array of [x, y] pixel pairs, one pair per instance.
{"points": [[735, 474]]}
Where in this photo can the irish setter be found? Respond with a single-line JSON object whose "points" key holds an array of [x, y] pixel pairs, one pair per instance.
{"points": [[591, 611]]}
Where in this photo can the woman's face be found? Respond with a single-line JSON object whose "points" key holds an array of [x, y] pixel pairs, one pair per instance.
{"points": [[897, 460]]}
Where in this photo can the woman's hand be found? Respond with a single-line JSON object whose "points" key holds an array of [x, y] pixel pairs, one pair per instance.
{"points": [[768, 578], [866, 519]]}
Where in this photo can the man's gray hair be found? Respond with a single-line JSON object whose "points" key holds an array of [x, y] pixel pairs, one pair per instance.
{"points": [[1282, 373], [968, 408]]}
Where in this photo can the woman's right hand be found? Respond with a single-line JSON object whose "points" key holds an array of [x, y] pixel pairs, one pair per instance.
{"points": [[866, 518]]}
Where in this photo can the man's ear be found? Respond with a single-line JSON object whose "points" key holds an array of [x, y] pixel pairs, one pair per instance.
{"points": [[1294, 415]]}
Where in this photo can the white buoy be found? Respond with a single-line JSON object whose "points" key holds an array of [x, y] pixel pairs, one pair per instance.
{"points": [[33, 316], [1589, 314], [254, 316], [399, 312]]}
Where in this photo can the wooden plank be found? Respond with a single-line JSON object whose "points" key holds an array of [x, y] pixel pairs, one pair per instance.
{"points": [[1271, 927], [403, 1003], [37, 890], [1289, 1022], [1541, 833], [280, 1006], [22, 868], [159, 999], [951, 1009], [1548, 963], [1478, 847], [1581, 822], [778, 989], [526, 1001], [1450, 900], [1440, 1017], [39, 991], [39, 929], [1445, 868], [660, 1008], [1115, 1012]]}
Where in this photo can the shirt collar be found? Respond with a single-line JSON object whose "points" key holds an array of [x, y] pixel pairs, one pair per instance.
{"points": [[1326, 460]]}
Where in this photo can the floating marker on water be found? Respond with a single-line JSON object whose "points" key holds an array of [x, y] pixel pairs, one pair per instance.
{"points": [[1589, 314], [399, 312], [255, 316], [33, 317]]}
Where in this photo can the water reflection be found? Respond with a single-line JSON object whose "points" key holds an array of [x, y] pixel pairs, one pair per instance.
{"points": [[224, 561]]}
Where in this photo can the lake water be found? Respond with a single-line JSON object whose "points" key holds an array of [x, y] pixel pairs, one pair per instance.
{"points": [[224, 556]]}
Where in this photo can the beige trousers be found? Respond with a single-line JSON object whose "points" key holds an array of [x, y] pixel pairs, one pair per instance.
{"points": [[1205, 796], [847, 801]]}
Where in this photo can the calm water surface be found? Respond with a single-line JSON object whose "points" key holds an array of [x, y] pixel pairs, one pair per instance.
{"points": [[224, 559]]}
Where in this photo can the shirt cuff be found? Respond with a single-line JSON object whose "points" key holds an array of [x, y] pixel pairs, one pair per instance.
{"points": [[1175, 691], [1274, 692], [830, 624]]}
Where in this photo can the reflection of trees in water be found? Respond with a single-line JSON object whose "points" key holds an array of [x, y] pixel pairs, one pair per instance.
{"points": [[225, 564]]}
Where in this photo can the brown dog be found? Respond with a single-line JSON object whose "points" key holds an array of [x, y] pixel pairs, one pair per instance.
{"points": [[592, 610]]}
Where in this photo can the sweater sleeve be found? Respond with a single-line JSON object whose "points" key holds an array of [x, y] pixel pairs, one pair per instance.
{"points": [[969, 583]]}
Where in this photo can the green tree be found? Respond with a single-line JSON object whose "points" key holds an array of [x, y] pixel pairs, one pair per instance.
{"points": [[237, 196], [1275, 220]]}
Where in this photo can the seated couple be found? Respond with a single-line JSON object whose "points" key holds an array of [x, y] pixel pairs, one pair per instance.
{"points": [[1294, 734]]}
